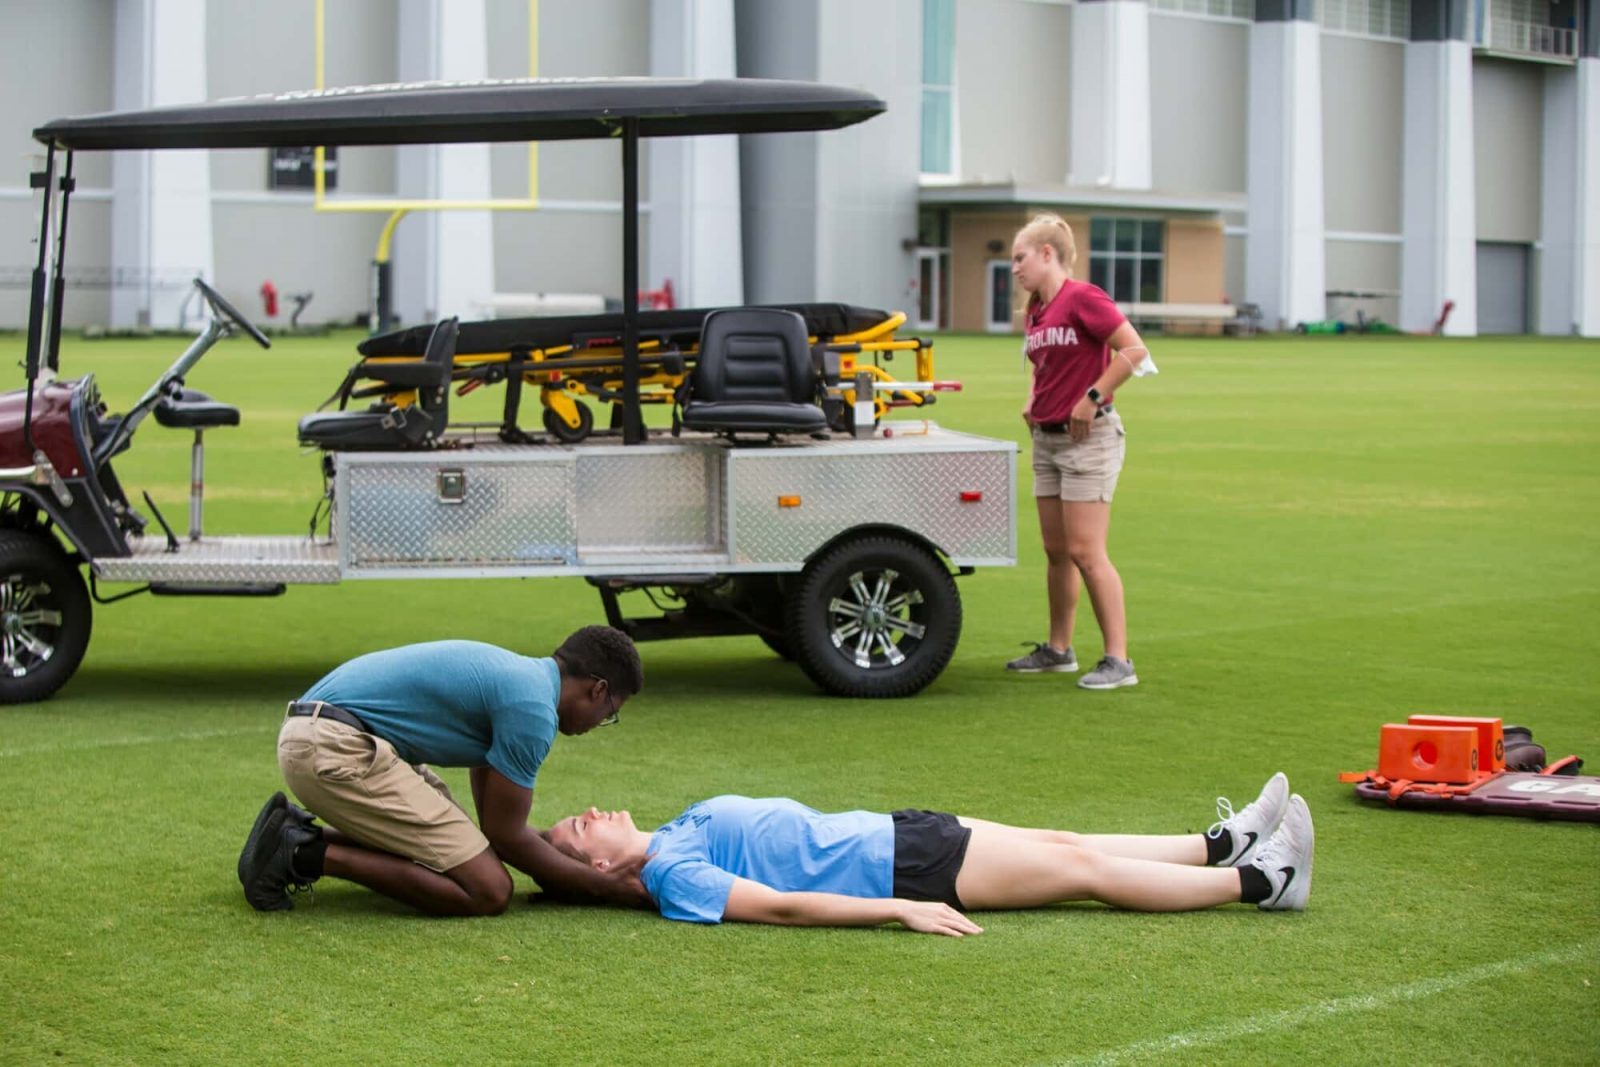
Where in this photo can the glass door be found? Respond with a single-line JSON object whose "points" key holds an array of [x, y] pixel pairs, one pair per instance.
{"points": [[930, 288], [997, 317]]}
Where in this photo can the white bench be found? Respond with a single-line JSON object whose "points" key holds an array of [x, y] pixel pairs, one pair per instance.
{"points": [[1245, 315]]}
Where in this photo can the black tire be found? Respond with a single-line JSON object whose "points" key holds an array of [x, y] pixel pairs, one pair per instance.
{"points": [[45, 617], [778, 644], [570, 435], [909, 638]]}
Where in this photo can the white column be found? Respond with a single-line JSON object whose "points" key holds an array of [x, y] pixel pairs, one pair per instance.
{"points": [[161, 201], [695, 239], [1110, 95], [443, 260], [1285, 265], [1438, 260]]}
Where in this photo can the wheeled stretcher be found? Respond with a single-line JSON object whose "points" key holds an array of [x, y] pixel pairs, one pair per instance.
{"points": [[581, 356]]}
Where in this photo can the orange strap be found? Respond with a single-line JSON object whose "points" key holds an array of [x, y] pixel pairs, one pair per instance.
{"points": [[1405, 785]]}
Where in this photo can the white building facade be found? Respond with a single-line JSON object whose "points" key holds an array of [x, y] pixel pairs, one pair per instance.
{"points": [[1429, 163]]}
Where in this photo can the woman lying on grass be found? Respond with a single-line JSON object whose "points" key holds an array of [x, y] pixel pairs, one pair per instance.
{"points": [[778, 861]]}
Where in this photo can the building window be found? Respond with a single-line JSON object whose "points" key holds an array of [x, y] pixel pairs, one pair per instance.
{"points": [[1389, 19], [938, 86], [1526, 27], [1127, 257], [1217, 9]]}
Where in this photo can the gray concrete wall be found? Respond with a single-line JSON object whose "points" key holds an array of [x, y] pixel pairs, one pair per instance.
{"points": [[1010, 80], [573, 245], [1362, 86], [779, 179], [1507, 123], [55, 60], [1199, 75], [1365, 267], [261, 234], [867, 173]]}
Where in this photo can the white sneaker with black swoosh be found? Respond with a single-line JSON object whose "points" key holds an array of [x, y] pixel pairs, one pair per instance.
{"points": [[1286, 859], [1254, 825]]}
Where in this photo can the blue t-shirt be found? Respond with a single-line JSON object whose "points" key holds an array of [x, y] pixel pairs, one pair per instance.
{"points": [[777, 842], [454, 704]]}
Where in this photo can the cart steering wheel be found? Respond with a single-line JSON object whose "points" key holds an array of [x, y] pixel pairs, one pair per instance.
{"points": [[220, 305]]}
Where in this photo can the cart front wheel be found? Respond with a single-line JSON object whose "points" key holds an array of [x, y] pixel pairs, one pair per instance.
{"points": [[875, 616], [45, 617]]}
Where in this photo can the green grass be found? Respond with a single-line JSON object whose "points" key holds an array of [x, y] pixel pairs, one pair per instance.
{"points": [[1317, 536]]}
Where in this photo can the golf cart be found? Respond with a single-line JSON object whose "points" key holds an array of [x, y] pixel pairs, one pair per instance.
{"points": [[776, 507]]}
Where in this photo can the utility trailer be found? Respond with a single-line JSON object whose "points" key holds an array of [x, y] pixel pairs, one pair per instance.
{"points": [[834, 539]]}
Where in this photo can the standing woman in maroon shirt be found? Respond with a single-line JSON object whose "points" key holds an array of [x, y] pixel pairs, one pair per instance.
{"points": [[1081, 349]]}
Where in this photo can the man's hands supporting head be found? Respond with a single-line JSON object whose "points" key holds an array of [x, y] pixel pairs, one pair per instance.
{"points": [[503, 808]]}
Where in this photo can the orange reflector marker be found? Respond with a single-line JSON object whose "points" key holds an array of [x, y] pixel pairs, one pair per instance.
{"points": [[971, 496], [788, 501]]}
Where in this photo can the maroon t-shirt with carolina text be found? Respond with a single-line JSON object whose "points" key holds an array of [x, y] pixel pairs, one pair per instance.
{"points": [[1066, 342]]}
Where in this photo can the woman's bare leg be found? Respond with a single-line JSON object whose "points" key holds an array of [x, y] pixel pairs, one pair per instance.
{"points": [[1061, 577], [1187, 849], [1086, 527], [1005, 870]]}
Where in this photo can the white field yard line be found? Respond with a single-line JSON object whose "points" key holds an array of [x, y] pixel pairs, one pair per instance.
{"points": [[1278, 1021], [142, 739]]}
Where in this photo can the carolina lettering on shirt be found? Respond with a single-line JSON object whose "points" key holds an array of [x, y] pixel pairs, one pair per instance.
{"points": [[1052, 335]]}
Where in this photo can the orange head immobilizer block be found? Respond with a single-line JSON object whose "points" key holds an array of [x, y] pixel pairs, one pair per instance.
{"points": [[1491, 737], [1420, 753]]}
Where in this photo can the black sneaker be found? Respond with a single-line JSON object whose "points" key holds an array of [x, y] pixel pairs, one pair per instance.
{"points": [[266, 867], [276, 802]]}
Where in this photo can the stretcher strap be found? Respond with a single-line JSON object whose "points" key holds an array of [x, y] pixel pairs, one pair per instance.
{"points": [[1397, 788]]}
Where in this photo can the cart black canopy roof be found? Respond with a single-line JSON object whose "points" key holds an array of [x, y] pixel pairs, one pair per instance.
{"points": [[524, 109]]}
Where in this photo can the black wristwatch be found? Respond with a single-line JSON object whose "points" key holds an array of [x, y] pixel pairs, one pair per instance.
{"points": [[1094, 396]]}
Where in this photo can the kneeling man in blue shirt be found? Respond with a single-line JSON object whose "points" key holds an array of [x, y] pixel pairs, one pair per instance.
{"points": [[778, 861], [356, 749]]}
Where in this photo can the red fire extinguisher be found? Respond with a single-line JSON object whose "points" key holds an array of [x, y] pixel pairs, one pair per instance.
{"points": [[269, 299]]}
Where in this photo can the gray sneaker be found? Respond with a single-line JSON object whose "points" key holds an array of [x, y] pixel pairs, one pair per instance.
{"points": [[1043, 658], [1110, 673]]}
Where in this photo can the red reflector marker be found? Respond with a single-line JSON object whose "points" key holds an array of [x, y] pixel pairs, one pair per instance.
{"points": [[947, 387], [971, 496]]}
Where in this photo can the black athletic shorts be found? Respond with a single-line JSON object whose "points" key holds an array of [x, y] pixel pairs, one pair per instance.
{"points": [[928, 849]]}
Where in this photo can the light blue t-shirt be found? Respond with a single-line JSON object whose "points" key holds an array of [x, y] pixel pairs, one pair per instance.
{"points": [[454, 704], [776, 841]]}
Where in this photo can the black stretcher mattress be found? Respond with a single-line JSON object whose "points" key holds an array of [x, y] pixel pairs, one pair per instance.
{"points": [[679, 326]]}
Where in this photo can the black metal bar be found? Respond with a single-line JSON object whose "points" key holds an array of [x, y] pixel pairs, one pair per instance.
{"points": [[381, 317], [36, 298], [53, 359], [632, 424]]}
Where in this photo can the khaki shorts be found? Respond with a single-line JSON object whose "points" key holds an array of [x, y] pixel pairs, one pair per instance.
{"points": [[1080, 471], [358, 784]]}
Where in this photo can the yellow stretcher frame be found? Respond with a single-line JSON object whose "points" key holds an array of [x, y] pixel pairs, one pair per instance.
{"points": [[560, 391]]}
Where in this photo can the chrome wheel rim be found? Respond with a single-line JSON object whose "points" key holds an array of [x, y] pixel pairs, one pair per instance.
{"points": [[876, 620], [29, 623]]}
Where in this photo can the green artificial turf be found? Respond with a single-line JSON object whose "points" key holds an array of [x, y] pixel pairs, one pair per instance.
{"points": [[1317, 536]]}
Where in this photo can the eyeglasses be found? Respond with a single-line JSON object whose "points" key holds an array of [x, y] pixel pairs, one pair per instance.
{"points": [[611, 702]]}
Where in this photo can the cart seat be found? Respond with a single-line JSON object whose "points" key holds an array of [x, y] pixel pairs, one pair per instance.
{"points": [[386, 426], [754, 375], [190, 409]]}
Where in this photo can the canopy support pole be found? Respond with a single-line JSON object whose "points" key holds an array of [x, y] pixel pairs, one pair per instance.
{"points": [[632, 423]]}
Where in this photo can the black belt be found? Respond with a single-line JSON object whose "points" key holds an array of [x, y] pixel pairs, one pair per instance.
{"points": [[1062, 427], [327, 711]]}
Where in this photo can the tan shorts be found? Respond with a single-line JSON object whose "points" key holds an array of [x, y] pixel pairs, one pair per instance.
{"points": [[1080, 471], [358, 784]]}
